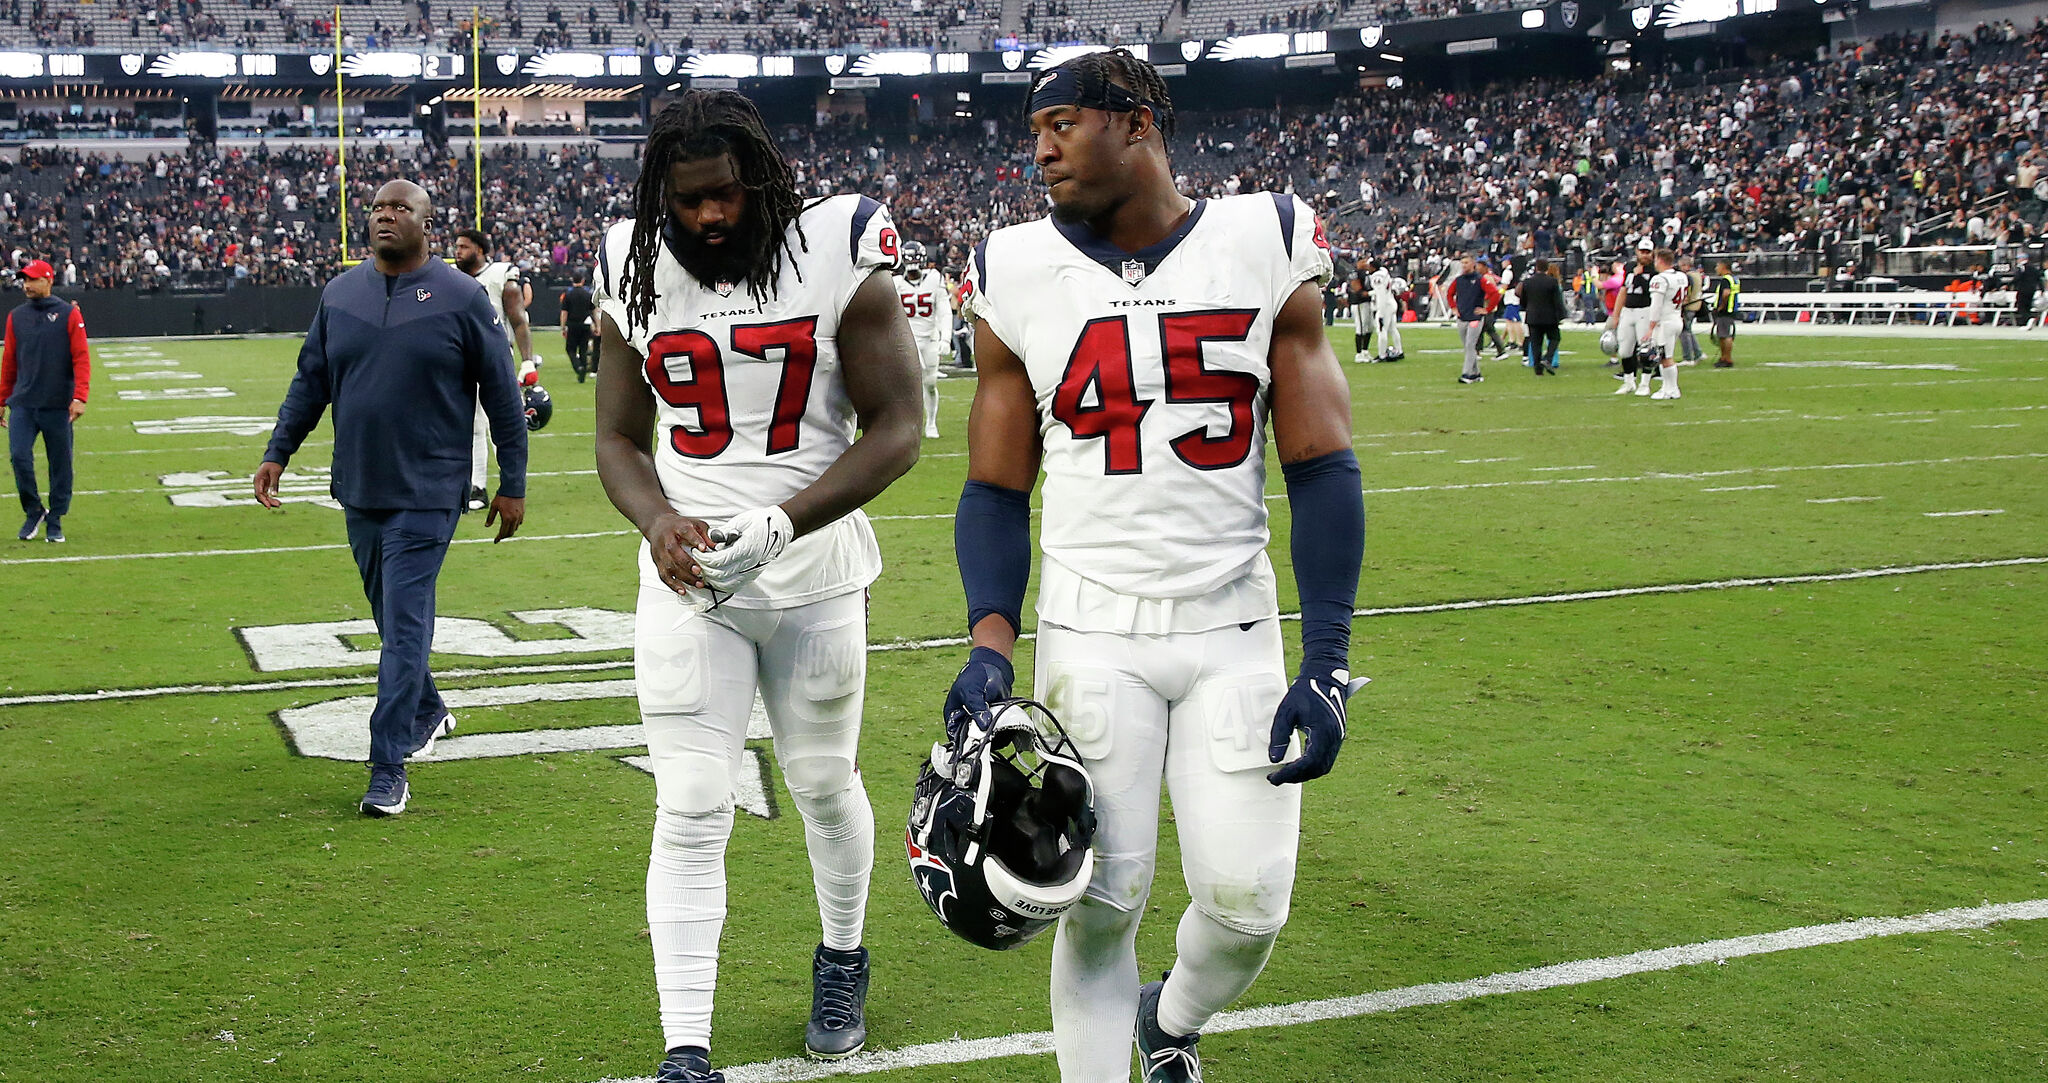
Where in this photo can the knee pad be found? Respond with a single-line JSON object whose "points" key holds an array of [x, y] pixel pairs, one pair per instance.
{"points": [[1256, 907], [693, 786], [831, 670], [819, 777], [1099, 925]]}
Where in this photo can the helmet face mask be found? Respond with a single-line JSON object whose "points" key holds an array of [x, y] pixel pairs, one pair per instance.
{"points": [[1002, 825], [913, 258]]}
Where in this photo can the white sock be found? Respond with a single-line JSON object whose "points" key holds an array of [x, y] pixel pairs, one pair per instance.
{"points": [[1670, 374], [1095, 991], [1217, 964], [685, 914], [931, 403], [840, 833]]}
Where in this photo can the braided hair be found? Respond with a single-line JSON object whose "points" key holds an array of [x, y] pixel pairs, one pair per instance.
{"points": [[1121, 67], [705, 124]]}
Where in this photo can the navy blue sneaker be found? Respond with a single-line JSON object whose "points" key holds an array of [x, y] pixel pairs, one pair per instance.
{"points": [[687, 1064], [423, 743], [388, 792], [839, 998], [1161, 1056], [29, 525], [52, 530]]}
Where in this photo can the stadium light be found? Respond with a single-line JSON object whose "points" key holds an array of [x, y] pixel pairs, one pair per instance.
{"points": [[1532, 19], [1394, 57]]}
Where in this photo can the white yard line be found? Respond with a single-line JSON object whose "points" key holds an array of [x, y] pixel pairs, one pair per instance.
{"points": [[1588, 466], [1843, 499], [1972, 511], [1737, 488], [895, 645], [1534, 979]]}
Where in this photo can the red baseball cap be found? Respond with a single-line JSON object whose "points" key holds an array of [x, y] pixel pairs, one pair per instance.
{"points": [[38, 269]]}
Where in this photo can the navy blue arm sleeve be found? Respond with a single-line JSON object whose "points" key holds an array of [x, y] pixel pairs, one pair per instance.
{"points": [[503, 402], [307, 398], [992, 541], [1328, 544]]}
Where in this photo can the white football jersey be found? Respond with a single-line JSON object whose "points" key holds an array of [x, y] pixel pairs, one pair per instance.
{"points": [[1667, 292], [1151, 377], [1382, 289], [930, 310], [494, 278], [751, 403]]}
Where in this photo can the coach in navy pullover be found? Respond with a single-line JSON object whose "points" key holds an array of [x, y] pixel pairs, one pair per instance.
{"points": [[45, 369], [402, 348]]}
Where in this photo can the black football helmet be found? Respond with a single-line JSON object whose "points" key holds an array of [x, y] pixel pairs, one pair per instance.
{"points": [[1002, 827], [913, 258], [539, 407]]}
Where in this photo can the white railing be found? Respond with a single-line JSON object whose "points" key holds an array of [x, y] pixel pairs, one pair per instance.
{"points": [[1926, 308]]}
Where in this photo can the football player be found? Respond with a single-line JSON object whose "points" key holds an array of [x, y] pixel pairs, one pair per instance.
{"points": [[1135, 345], [502, 284], [1668, 291], [930, 309], [1630, 320], [746, 337], [1359, 296], [1386, 310]]}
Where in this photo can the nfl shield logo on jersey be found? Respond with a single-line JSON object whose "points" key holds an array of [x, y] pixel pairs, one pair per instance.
{"points": [[1134, 272], [724, 289]]}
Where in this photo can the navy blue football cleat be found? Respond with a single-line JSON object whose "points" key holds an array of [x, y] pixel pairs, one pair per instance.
{"points": [[423, 742], [29, 525], [1161, 1056], [388, 791], [687, 1064], [53, 531], [839, 997]]}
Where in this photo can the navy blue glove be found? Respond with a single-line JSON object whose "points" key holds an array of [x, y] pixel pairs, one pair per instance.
{"points": [[1314, 704], [985, 678]]}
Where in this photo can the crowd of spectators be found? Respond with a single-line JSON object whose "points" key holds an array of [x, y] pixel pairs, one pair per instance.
{"points": [[1907, 140]]}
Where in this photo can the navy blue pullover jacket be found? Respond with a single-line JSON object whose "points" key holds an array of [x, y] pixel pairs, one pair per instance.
{"points": [[403, 359]]}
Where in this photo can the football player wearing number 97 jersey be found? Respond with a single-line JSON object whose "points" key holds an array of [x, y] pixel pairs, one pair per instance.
{"points": [[746, 338], [1136, 345]]}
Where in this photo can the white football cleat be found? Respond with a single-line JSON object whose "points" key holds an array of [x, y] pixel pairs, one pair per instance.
{"points": [[1666, 393], [1644, 387], [1628, 386]]}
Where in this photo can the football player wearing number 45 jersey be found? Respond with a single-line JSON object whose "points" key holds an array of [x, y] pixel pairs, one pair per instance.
{"points": [[746, 338], [1135, 345]]}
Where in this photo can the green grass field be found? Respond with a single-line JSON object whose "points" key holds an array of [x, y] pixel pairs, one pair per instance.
{"points": [[184, 895]]}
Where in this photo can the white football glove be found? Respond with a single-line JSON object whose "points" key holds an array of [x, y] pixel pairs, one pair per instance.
{"points": [[750, 540]]}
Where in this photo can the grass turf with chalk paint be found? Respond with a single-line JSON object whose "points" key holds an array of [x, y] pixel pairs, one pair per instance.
{"points": [[1526, 784]]}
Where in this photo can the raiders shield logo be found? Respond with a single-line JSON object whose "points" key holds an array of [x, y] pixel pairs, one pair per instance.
{"points": [[131, 63], [835, 64], [1134, 272], [1569, 12], [420, 295]]}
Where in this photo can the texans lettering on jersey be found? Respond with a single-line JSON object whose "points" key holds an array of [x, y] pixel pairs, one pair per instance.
{"points": [[751, 403], [1150, 373]]}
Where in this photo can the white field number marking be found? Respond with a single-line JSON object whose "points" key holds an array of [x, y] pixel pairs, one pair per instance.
{"points": [[173, 394], [206, 423], [325, 645], [221, 489]]}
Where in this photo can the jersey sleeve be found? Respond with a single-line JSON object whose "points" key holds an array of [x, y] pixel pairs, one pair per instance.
{"points": [[977, 303], [604, 285], [872, 244], [1306, 245]]}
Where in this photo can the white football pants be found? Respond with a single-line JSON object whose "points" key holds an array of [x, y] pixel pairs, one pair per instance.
{"points": [[1633, 328], [1389, 319], [1196, 709], [928, 366], [696, 676]]}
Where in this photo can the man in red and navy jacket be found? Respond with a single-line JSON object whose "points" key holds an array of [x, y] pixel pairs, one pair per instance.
{"points": [[45, 371]]}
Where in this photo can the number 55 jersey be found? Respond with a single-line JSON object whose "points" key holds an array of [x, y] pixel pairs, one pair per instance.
{"points": [[751, 403], [1151, 377]]}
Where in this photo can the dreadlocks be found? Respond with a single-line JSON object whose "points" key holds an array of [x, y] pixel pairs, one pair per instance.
{"points": [[1121, 67], [704, 124]]}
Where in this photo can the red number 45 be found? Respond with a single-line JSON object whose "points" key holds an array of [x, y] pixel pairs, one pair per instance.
{"points": [[1101, 361]]}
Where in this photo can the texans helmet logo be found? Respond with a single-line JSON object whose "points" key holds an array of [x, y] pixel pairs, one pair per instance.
{"points": [[52, 316], [934, 878], [421, 295]]}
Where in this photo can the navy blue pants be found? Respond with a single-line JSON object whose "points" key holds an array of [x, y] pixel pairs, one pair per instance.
{"points": [[400, 553], [53, 424]]}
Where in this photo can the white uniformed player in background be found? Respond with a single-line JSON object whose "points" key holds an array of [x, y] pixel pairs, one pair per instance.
{"points": [[1631, 323], [1386, 310], [747, 338], [930, 309], [1136, 345], [503, 285], [1358, 294], [1667, 300]]}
